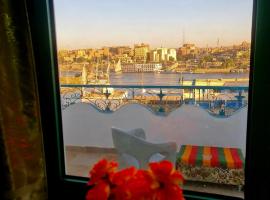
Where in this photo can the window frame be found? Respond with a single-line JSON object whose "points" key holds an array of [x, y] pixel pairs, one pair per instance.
{"points": [[42, 27]]}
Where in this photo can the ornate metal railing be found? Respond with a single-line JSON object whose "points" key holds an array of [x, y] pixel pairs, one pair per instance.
{"points": [[220, 101]]}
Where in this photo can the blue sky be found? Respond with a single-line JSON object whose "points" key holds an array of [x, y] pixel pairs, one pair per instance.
{"points": [[97, 23]]}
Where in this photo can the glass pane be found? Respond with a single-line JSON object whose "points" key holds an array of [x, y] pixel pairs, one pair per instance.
{"points": [[161, 72]]}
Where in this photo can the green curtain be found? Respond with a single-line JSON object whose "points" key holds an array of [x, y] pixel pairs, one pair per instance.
{"points": [[22, 164]]}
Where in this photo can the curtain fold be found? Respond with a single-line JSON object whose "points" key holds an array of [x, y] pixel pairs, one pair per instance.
{"points": [[22, 163]]}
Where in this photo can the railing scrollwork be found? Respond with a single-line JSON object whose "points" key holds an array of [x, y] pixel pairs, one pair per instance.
{"points": [[220, 101]]}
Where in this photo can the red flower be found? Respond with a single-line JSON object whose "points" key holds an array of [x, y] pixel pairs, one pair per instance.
{"points": [[140, 187], [130, 184], [121, 181], [100, 180], [123, 176], [103, 170], [160, 182], [165, 181], [100, 191]]}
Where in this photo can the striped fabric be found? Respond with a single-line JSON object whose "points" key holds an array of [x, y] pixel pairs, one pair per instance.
{"points": [[231, 158]]}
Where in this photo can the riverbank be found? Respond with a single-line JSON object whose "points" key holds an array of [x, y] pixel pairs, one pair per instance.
{"points": [[212, 71]]}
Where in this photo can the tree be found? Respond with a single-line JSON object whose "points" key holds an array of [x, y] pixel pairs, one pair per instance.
{"points": [[81, 59], [228, 63], [171, 58]]}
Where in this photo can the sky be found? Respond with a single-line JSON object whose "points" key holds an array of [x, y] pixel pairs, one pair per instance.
{"points": [[160, 23]]}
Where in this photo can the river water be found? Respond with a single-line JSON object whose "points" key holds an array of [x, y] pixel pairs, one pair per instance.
{"points": [[158, 78], [165, 78]]}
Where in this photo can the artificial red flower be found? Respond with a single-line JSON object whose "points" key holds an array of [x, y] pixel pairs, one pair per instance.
{"points": [[103, 170], [165, 181], [100, 191]]}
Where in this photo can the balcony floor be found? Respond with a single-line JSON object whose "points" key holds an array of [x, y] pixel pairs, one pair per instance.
{"points": [[79, 160]]}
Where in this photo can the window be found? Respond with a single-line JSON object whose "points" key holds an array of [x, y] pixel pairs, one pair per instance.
{"points": [[206, 125], [57, 106]]}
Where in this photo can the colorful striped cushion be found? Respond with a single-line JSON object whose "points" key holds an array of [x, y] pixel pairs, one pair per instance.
{"points": [[231, 158]]}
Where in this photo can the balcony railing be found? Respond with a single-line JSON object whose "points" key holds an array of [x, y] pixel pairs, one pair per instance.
{"points": [[219, 101]]}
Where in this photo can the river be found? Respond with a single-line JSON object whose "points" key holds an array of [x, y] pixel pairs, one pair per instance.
{"points": [[157, 78], [165, 78]]}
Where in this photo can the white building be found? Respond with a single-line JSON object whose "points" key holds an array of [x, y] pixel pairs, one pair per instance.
{"points": [[144, 67], [163, 54], [171, 54]]}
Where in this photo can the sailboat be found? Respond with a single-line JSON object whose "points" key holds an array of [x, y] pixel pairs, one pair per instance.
{"points": [[98, 76], [108, 72], [118, 67], [103, 77], [84, 75]]}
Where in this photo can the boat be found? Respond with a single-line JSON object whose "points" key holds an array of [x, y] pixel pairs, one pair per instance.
{"points": [[158, 71], [98, 77], [118, 67]]}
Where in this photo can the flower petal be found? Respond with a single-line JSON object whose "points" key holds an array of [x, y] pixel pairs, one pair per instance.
{"points": [[165, 173], [169, 192], [123, 176], [100, 191], [165, 181], [102, 170]]}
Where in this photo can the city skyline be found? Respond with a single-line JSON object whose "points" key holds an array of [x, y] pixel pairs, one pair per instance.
{"points": [[155, 48], [94, 24]]}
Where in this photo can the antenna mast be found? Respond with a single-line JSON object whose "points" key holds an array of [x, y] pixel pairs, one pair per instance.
{"points": [[184, 37]]}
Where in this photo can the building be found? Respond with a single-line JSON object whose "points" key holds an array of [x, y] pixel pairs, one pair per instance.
{"points": [[123, 50], [124, 58], [171, 55], [163, 54], [140, 52], [143, 67], [80, 53], [188, 50], [119, 50], [154, 56]]}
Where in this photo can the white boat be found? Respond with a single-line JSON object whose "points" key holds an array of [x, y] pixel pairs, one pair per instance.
{"points": [[118, 67]]}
